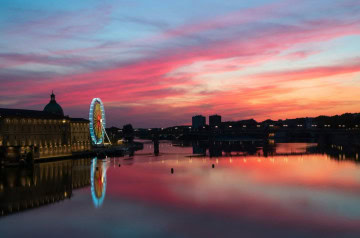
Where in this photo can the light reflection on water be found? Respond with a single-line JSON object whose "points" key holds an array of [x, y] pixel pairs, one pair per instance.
{"points": [[98, 181], [295, 194]]}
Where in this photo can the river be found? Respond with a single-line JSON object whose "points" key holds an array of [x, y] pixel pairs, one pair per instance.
{"points": [[289, 193]]}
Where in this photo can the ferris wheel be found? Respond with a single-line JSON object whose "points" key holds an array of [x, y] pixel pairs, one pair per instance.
{"points": [[97, 122]]}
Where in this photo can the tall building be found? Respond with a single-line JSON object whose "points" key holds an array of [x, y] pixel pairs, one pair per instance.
{"points": [[198, 121], [41, 134], [214, 120]]}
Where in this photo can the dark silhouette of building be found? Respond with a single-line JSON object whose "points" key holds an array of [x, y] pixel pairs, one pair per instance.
{"points": [[214, 120], [115, 134], [53, 107], [198, 121]]}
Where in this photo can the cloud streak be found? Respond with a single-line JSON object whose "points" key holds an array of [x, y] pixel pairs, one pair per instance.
{"points": [[217, 66]]}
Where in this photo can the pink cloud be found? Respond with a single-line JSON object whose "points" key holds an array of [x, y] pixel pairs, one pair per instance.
{"points": [[152, 77], [313, 73]]}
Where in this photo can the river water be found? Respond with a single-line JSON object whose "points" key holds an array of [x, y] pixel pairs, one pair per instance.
{"points": [[290, 193]]}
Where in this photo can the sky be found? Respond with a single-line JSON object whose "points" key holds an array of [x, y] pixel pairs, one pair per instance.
{"points": [[157, 63]]}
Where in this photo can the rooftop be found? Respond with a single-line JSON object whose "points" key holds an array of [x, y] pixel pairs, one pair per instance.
{"points": [[79, 120], [23, 113]]}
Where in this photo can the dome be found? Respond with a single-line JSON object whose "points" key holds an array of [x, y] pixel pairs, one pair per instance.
{"points": [[53, 107]]}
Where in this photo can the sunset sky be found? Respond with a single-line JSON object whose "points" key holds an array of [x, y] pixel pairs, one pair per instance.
{"points": [[157, 63]]}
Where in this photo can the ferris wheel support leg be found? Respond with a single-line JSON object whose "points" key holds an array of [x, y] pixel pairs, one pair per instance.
{"points": [[106, 134]]}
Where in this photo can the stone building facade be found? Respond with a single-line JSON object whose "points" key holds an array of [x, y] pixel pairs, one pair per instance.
{"points": [[42, 134], [80, 134]]}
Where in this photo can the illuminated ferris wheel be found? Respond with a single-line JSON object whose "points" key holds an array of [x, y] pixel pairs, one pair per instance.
{"points": [[97, 122]]}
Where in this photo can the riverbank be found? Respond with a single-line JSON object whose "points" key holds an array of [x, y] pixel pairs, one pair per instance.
{"points": [[99, 152]]}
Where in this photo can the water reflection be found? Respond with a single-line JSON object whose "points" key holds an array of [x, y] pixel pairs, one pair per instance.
{"points": [[310, 193], [45, 183], [231, 149], [98, 181]]}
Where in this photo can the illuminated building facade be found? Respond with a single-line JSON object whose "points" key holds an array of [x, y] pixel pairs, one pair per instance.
{"points": [[80, 134], [41, 134]]}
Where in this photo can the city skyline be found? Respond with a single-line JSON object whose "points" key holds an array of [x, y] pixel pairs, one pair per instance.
{"points": [[157, 64]]}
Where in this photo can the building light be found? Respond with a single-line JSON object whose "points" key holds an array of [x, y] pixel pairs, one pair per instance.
{"points": [[285, 125], [271, 125], [149, 129], [230, 126], [244, 126], [176, 128], [258, 125], [216, 126]]}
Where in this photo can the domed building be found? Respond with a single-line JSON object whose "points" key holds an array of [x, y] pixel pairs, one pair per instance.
{"points": [[53, 107], [44, 134]]}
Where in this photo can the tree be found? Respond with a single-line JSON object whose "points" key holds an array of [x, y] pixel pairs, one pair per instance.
{"points": [[128, 132]]}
